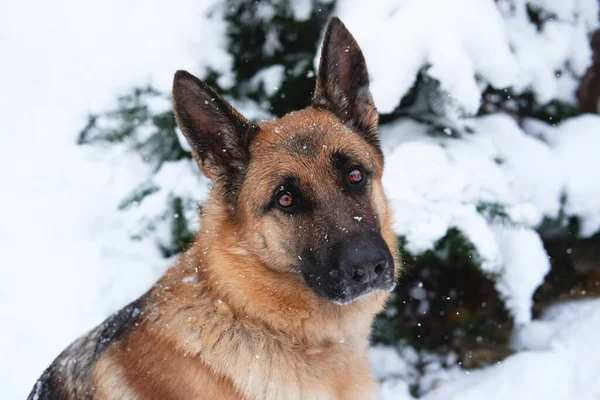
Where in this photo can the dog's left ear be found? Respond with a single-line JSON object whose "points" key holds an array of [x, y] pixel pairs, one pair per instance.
{"points": [[218, 135], [343, 83]]}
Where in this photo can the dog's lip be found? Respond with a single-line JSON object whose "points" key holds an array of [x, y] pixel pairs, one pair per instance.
{"points": [[368, 291]]}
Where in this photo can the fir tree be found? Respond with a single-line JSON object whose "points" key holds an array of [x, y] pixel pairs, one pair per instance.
{"points": [[444, 300]]}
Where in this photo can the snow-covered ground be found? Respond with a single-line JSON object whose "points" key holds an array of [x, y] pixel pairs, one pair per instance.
{"points": [[67, 258], [557, 359]]}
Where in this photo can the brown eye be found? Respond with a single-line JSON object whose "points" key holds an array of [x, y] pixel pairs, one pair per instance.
{"points": [[355, 176], [286, 200]]}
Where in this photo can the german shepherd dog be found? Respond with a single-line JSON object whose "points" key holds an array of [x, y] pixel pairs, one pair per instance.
{"points": [[296, 254]]}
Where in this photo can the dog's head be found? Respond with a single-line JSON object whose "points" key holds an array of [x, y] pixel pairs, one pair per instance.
{"points": [[304, 192]]}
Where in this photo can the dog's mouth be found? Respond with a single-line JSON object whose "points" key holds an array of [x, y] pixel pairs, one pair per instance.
{"points": [[346, 294]]}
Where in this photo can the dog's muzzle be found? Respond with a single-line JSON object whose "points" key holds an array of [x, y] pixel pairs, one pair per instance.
{"points": [[358, 266]]}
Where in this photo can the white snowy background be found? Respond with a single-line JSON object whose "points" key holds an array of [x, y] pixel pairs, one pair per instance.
{"points": [[67, 259]]}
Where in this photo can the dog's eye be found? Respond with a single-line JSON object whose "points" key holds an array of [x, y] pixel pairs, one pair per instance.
{"points": [[285, 200], [356, 176]]}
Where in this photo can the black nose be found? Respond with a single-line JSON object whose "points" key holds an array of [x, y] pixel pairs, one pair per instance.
{"points": [[368, 273], [362, 262]]}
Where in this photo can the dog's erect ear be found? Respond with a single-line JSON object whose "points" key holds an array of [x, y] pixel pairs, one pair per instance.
{"points": [[343, 82], [218, 135]]}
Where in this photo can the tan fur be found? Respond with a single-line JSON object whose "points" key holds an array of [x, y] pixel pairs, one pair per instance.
{"points": [[228, 322]]}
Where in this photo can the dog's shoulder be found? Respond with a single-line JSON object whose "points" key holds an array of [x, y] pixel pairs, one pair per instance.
{"points": [[69, 376]]}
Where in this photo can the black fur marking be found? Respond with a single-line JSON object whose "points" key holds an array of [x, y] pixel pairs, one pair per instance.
{"points": [[70, 375], [340, 160], [47, 388], [115, 326], [303, 147]]}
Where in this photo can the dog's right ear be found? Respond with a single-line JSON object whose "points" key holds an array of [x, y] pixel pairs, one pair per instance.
{"points": [[218, 135]]}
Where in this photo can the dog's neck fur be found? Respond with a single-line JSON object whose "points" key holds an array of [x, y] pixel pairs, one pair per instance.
{"points": [[218, 272]]}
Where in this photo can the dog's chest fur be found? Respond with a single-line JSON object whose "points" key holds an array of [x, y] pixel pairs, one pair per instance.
{"points": [[220, 354]]}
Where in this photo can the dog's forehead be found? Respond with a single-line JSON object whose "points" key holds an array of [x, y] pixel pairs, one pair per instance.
{"points": [[308, 145], [306, 133]]}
